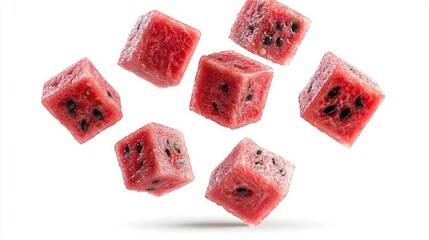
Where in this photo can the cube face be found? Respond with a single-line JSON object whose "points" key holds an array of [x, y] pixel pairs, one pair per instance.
{"points": [[82, 100], [339, 99], [269, 29], [231, 89], [154, 159], [159, 49], [250, 182]]}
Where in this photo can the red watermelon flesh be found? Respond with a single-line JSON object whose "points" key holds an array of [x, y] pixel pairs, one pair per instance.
{"points": [[154, 159], [159, 49], [269, 29], [231, 89], [250, 182], [82, 100], [339, 99]]}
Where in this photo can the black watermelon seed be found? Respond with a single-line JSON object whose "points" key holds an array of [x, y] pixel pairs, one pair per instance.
{"points": [[295, 26], [278, 26], [282, 172], [359, 102], [71, 107], [251, 29], [259, 152], [225, 88], [279, 41], [150, 189], [180, 161], [267, 40], [309, 88], [176, 147], [330, 109], [334, 92], [274, 161], [249, 97], [109, 94], [84, 125], [139, 148], [156, 181], [216, 106], [242, 191], [126, 149], [167, 151], [97, 114], [345, 113]]}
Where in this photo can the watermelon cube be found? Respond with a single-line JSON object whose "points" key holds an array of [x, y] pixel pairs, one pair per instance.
{"points": [[82, 100], [250, 182], [339, 99], [269, 29], [154, 159], [231, 89], [159, 49]]}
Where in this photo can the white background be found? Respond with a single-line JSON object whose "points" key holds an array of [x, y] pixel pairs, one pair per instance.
{"points": [[54, 188]]}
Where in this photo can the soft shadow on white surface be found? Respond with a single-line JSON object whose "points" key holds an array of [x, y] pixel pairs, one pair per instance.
{"points": [[276, 224]]}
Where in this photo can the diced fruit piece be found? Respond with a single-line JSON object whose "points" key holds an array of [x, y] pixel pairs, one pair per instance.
{"points": [[154, 159], [231, 89], [269, 29], [250, 182], [339, 99], [159, 49], [82, 100]]}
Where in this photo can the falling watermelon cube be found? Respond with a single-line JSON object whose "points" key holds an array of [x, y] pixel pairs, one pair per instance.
{"points": [[231, 89], [339, 99], [159, 49], [154, 159], [269, 29], [250, 182], [82, 100]]}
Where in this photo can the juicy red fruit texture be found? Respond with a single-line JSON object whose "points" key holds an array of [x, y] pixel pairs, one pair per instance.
{"points": [[250, 182], [269, 29], [231, 89], [82, 100], [159, 49], [154, 159], [339, 99]]}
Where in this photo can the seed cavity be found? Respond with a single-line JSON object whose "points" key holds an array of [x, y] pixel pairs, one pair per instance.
{"points": [[359, 102], [345, 113], [84, 125], [279, 41], [97, 114], [259, 152], [267, 40], [216, 106], [126, 149], [251, 29], [87, 92], [180, 161], [330, 109], [295, 26], [259, 163], [282, 172], [167, 151], [139, 148], [151, 189], [225, 88], [53, 86], [242, 191], [71, 107], [176, 147], [278, 26], [249, 97], [156, 181], [334, 92]]}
